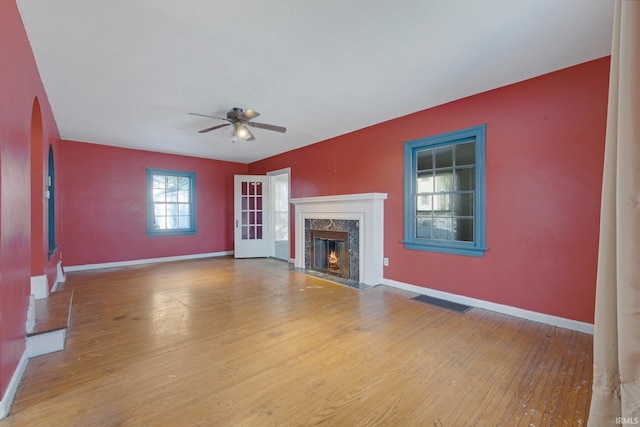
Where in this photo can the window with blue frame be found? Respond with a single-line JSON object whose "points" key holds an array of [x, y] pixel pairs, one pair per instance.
{"points": [[444, 199], [171, 200]]}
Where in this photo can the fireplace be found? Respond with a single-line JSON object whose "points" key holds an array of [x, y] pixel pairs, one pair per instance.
{"points": [[360, 215], [342, 237], [330, 252]]}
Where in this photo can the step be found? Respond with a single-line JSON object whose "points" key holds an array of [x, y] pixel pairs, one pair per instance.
{"points": [[52, 319]]}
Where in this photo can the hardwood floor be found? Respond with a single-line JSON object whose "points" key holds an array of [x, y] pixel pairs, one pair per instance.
{"points": [[248, 342]]}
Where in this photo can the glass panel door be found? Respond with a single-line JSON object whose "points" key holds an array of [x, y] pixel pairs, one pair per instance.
{"points": [[251, 215]]}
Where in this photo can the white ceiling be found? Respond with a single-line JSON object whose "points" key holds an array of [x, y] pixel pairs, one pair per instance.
{"points": [[126, 73]]}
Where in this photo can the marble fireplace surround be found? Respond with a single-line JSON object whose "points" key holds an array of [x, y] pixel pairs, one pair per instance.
{"points": [[367, 208]]}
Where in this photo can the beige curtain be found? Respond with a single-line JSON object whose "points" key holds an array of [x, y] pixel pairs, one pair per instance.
{"points": [[616, 354]]}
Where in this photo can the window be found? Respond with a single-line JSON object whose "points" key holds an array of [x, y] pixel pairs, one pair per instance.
{"points": [[445, 193], [170, 202]]}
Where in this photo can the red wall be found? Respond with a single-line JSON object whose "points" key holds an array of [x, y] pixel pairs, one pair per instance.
{"points": [[104, 204], [545, 142], [545, 149], [20, 86]]}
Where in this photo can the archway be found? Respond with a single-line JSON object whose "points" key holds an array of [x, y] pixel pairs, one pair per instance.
{"points": [[37, 191]]}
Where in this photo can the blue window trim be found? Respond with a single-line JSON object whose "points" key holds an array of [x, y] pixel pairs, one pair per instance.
{"points": [[151, 231], [476, 248]]}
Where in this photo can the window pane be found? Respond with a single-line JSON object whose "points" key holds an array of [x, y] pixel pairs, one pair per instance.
{"points": [[172, 195], [423, 227], [159, 209], [184, 222], [425, 182], [444, 181], [161, 223], [425, 159], [158, 181], [441, 203], [158, 195], [464, 204], [172, 209], [444, 157], [465, 179], [464, 229], [172, 182], [424, 203], [465, 153], [183, 183], [443, 228], [172, 222], [183, 209], [183, 196]]}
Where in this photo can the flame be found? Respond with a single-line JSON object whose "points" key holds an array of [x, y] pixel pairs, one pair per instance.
{"points": [[333, 258]]}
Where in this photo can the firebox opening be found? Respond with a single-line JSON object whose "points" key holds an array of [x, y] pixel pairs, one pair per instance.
{"points": [[330, 252]]}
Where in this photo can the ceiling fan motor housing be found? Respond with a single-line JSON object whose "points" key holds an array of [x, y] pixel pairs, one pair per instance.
{"points": [[234, 113]]}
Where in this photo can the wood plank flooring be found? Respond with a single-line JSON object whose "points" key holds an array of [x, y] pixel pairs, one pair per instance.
{"points": [[248, 342]]}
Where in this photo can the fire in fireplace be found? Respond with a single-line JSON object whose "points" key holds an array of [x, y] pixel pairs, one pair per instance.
{"points": [[330, 252]]}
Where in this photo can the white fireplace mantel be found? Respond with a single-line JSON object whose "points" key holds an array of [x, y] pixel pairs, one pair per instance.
{"points": [[368, 208]]}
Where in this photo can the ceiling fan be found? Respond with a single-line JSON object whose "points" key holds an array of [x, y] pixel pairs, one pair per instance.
{"points": [[240, 119]]}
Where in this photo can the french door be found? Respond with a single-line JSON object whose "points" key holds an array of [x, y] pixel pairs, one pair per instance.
{"points": [[251, 216]]}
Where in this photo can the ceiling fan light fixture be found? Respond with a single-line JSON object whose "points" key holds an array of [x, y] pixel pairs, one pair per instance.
{"points": [[241, 121], [241, 132]]}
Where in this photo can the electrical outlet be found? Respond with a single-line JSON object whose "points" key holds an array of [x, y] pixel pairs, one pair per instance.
{"points": [[385, 262]]}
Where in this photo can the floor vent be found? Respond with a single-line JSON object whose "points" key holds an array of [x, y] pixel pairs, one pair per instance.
{"points": [[460, 308]]}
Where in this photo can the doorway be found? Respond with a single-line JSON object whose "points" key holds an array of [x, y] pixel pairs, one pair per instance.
{"points": [[280, 186]]}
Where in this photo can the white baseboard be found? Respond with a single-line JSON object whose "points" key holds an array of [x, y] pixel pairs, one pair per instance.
{"points": [[40, 286], [31, 314], [145, 261], [60, 277], [46, 343], [7, 399], [499, 308]]}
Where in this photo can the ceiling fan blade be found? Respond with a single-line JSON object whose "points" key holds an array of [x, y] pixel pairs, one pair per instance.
{"points": [[204, 115], [275, 128], [248, 115], [213, 128]]}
